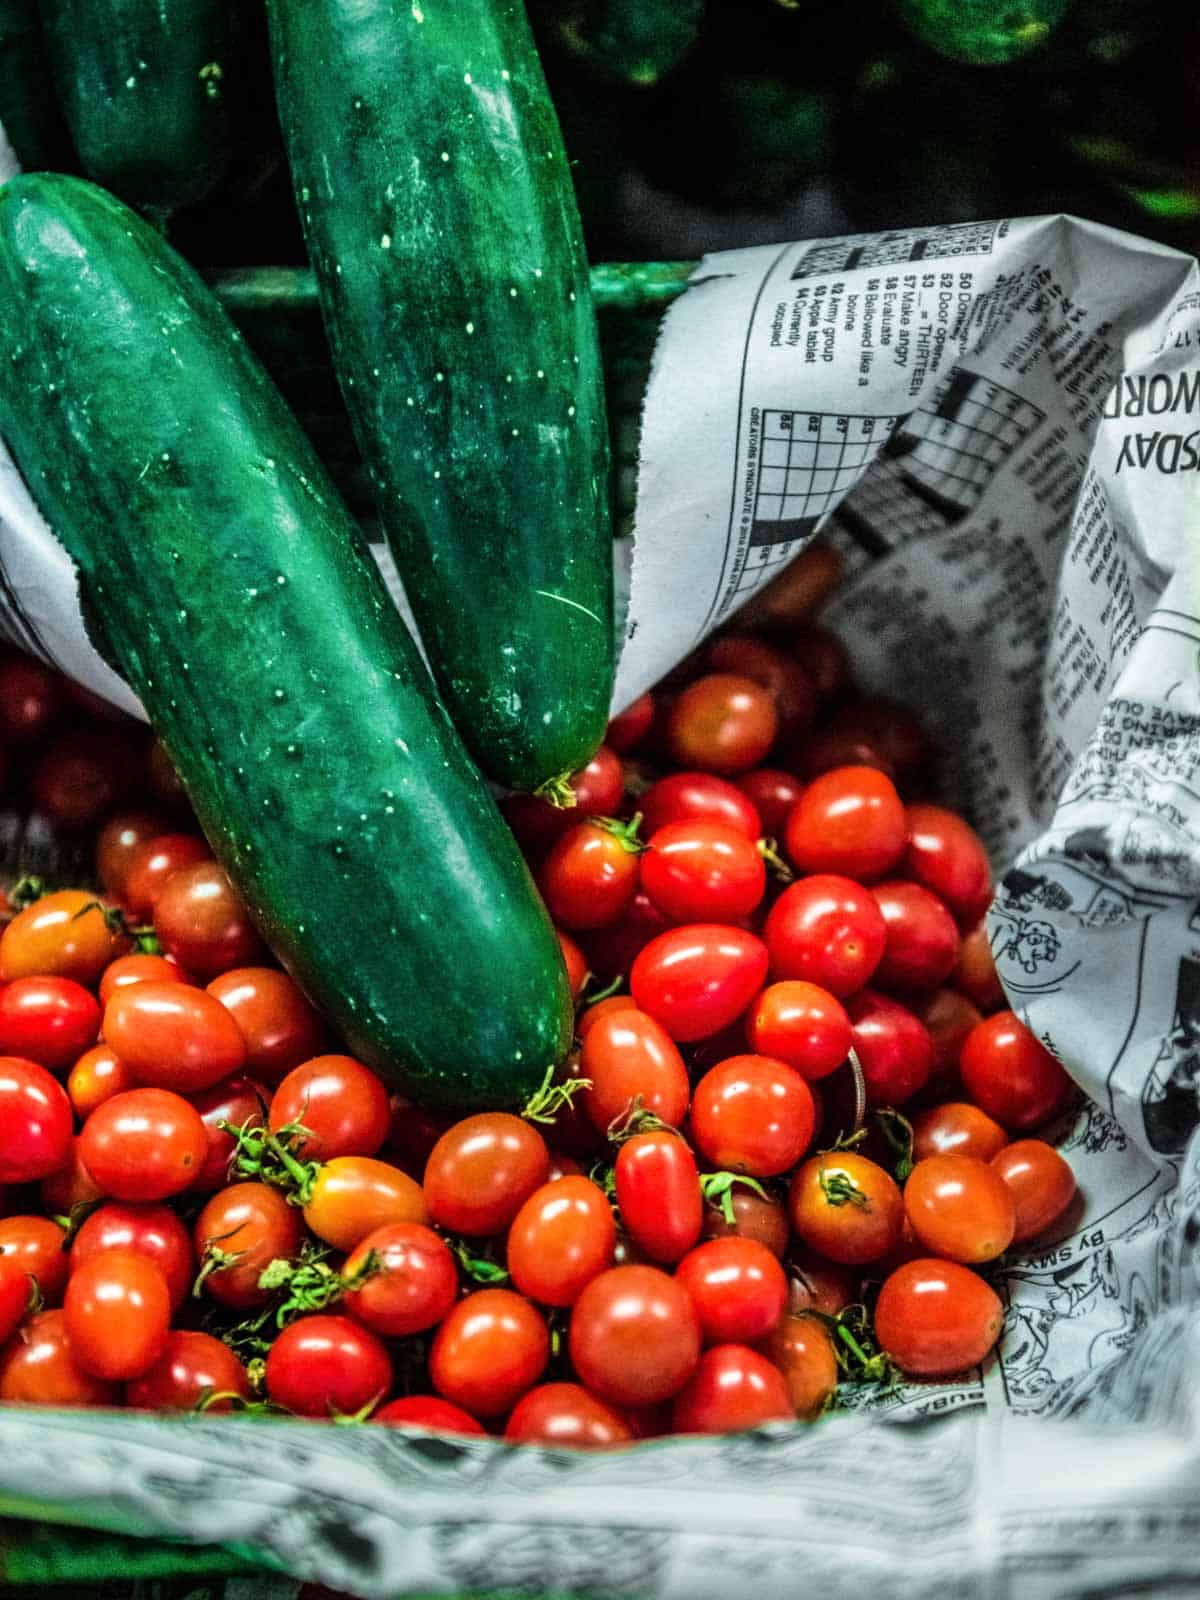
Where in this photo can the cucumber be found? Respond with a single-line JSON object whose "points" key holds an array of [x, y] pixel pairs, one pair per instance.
{"points": [[233, 591], [141, 83], [633, 41], [29, 113], [437, 205]]}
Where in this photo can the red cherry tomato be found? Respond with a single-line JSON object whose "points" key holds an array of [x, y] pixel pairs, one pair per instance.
{"points": [[802, 1024], [61, 935], [832, 747], [31, 697], [202, 922], [598, 789], [80, 777], [173, 1036], [591, 1014], [698, 797], [732, 1389], [889, 728], [481, 1172], [145, 1144], [327, 1366], [703, 872], [562, 1238], [1009, 1073], [817, 1284], [957, 1128], [826, 930], [151, 1231], [611, 951], [192, 1367], [96, 1077], [922, 939], [936, 1318], [947, 855], [279, 1026], [35, 1121], [251, 1225], [590, 875], [427, 1411], [975, 975], [413, 1133], [782, 676], [72, 1185], [754, 1115], [1040, 1183], [948, 1018], [117, 1313], [575, 962], [801, 1348], [824, 658], [846, 1207], [755, 1216], [893, 1048], [353, 1195], [138, 968], [490, 1349], [634, 1336], [698, 978], [39, 1368], [153, 862], [849, 821], [342, 1106], [628, 1056], [238, 1101], [960, 1208], [118, 842], [773, 793], [737, 1287], [723, 723], [16, 1293], [35, 1246], [629, 727], [658, 1193], [48, 1020], [564, 1416], [415, 1284]]}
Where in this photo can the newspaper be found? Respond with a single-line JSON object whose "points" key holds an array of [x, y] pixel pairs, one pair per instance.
{"points": [[998, 425]]}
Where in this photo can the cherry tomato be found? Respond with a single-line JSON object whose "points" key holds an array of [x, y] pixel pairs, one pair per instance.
{"points": [[773, 792], [61, 935], [611, 951], [891, 729], [35, 1121], [253, 1225], [598, 790], [201, 921], [138, 968], [481, 1172], [35, 1245], [96, 1077], [341, 1105], [16, 1292], [164, 781], [846, 1207], [802, 1350], [754, 1217], [629, 1057], [975, 975], [144, 1144], [629, 727], [153, 862], [152, 1231], [947, 855], [563, 1167], [192, 1367], [327, 1366], [72, 1185], [427, 1411], [118, 842], [802, 1024], [564, 1416], [1040, 1183], [936, 1318], [826, 930], [352, 1196], [414, 1286], [697, 979], [591, 1014], [832, 747], [80, 777], [412, 1134], [733, 1388], [658, 1193], [562, 1238], [698, 797], [575, 962], [849, 821], [31, 697], [737, 1287], [893, 1048], [48, 1020], [922, 938], [957, 1128], [117, 1313], [753, 1114], [948, 1018], [723, 723], [634, 1336], [1009, 1073], [279, 1026], [782, 676], [817, 1284], [701, 871], [960, 1208], [39, 1368], [824, 658], [568, 1129], [173, 1036], [491, 1347], [799, 591], [238, 1101], [590, 875]]}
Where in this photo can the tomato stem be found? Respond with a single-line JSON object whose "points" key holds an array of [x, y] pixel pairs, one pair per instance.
{"points": [[636, 1118], [26, 890], [479, 1268], [545, 1103], [898, 1131], [558, 792], [626, 833], [768, 849], [606, 993], [839, 1188], [268, 1157], [717, 1189]]}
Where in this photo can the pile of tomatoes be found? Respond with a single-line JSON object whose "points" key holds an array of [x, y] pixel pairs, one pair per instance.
{"points": [[793, 1135]]}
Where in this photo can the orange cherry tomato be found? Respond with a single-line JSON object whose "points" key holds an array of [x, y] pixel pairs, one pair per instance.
{"points": [[39, 1368], [481, 1172], [960, 1208], [801, 1348], [117, 1313], [62, 935], [251, 1225], [1040, 1182], [96, 1077], [35, 1244], [957, 1128], [279, 1026], [353, 1196], [561, 1238], [138, 968], [937, 1318], [846, 1207], [723, 723], [173, 1036]]}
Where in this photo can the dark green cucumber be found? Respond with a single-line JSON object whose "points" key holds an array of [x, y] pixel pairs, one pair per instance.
{"points": [[634, 41], [437, 204], [141, 83], [233, 591], [29, 110]]}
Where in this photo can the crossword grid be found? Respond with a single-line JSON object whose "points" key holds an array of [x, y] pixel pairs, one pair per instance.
{"points": [[894, 249], [954, 447]]}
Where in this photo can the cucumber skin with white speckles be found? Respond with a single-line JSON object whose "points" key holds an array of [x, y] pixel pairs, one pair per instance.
{"points": [[237, 598], [441, 221], [141, 84]]}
